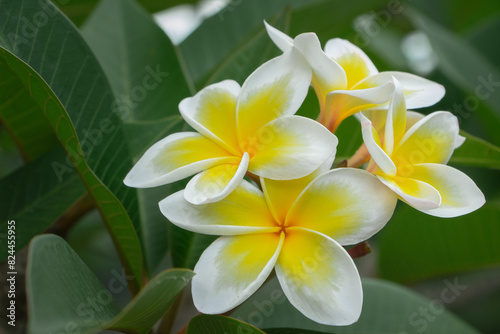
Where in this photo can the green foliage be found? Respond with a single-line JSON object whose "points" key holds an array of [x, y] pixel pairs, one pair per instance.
{"points": [[215, 324], [66, 296]]}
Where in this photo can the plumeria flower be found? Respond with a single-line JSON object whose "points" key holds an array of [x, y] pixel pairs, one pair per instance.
{"points": [[250, 129], [409, 156], [346, 81], [296, 227]]}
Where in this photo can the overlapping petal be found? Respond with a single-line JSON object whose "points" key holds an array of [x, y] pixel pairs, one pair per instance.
{"points": [[459, 194], [212, 112], [275, 89], [232, 268], [395, 125], [175, 157], [374, 146], [346, 204], [243, 211], [430, 140], [341, 104], [418, 194], [419, 92], [353, 60], [319, 278], [216, 183], [290, 147], [280, 195]]}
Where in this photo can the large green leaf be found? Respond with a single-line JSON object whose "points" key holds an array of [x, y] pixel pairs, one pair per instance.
{"points": [[22, 117], [290, 331], [35, 197], [57, 67], [469, 70], [64, 295], [430, 246], [142, 67], [388, 308], [216, 324]]}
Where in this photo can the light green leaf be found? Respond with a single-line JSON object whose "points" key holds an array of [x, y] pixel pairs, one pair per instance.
{"points": [[55, 64], [476, 152], [217, 324], [142, 67], [435, 246], [388, 308], [35, 196], [64, 295]]}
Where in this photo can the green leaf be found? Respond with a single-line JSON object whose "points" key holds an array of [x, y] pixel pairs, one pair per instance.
{"points": [[217, 324], [79, 10], [152, 302], [469, 70], [64, 295], [435, 246], [61, 73], [35, 196], [142, 67], [476, 152], [22, 117], [388, 308]]}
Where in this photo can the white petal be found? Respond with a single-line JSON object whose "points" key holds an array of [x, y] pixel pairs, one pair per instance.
{"points": [[290, 147], [175, 157], [328, 75], [460, 140], [346, 204], [395, 125], [282, 40], [372, 142], [277, 88], [319, 278], [459, 194], [232, 268], [243, 211], [215, 183], [419, 92], [212, 112]]}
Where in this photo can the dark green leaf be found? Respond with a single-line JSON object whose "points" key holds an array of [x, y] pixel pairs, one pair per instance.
{"points": [[152, 302], [22, 117], [388, 308], [435, 246], [78, 10], [217, 324], [62, 75], [35, 196], [469, 70], [290, 331]]}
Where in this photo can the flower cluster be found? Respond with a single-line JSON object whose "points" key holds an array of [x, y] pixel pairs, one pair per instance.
{"points": [[293, 213]]}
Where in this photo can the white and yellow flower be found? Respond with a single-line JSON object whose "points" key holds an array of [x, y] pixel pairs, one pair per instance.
{"points": [[409, 155], [249, 129], [346, 81], [296, 227]]}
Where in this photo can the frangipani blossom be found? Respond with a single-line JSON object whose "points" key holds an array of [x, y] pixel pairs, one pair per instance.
{"points": [[346, 81], [249, 129], [296, 227], [409, 155]]}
